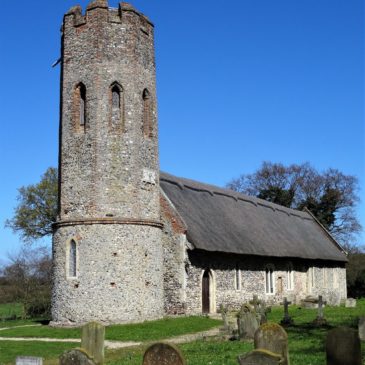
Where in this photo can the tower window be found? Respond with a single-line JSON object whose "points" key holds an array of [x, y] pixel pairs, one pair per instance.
{"points": [[116, 104], [147, 113], [72, 259], [238, 278], [269, 281], [80, 105]]}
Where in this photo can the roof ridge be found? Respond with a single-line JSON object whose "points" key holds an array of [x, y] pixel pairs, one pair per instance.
{"points": [[217, 190]]}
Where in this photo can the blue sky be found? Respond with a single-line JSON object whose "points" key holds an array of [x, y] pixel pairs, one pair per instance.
{"points": [[239, 82]]}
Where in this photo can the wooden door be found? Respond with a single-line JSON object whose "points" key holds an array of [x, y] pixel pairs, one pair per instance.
{"points": [[205, 292]]}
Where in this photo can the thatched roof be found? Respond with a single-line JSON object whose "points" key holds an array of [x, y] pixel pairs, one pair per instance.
{"points": [[222, 220]]}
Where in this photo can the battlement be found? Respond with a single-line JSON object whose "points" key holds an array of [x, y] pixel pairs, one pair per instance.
{"points": [[114, 15]]}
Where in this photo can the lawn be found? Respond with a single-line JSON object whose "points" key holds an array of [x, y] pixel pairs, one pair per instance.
{"points": [[10, 311], [306, 343]]}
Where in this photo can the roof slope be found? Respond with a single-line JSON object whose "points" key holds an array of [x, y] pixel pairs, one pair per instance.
{"points": [[222, 220]]}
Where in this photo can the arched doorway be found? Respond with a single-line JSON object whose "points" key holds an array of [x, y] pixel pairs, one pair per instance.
{"points": [[206, 292]]}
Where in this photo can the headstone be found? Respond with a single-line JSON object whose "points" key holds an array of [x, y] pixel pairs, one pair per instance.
{"points": [[247, 322], [287, 320], [320, 320], [163, 354], [76, 357], [260, 357], [92, 341], [350, 303], [272, 337], [224, 312], [333, 298], [310, 302], [28, 360], [362, 328], [255, 302], [343, 347]]}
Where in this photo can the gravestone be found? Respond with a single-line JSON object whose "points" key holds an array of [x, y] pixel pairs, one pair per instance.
{"points": [[287, 320], [260, 357], [272, 337], [362, 328], [92, 341], [255, 302], [350, 303], [343, 347], [76, 357], [334, 298], [224, 312], [309, 302], [163, 354], [320, 320], [28, 360], [247, 322]]}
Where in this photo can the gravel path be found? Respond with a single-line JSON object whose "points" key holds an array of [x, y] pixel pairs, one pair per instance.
{"points": [[116, 344]]}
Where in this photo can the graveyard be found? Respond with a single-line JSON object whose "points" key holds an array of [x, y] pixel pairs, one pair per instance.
{"points": [[211, 344]]}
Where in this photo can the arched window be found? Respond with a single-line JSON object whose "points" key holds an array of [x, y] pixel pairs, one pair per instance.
{"points": [[289, 277], [72, 259], [269, 280], [147, 113], [80, 105], [117, 103], [238, 278]]}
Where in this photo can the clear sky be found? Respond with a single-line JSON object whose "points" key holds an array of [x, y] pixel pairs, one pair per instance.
{"points": [[239, 82]]}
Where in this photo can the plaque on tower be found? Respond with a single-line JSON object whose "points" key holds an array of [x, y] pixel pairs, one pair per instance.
{"points": [[149, 176]]}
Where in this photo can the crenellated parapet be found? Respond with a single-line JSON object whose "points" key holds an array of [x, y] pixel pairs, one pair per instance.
{"points": [[75, 17]]}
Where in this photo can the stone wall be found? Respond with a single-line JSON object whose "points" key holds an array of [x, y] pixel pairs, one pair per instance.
{"points": [[118, 276]]}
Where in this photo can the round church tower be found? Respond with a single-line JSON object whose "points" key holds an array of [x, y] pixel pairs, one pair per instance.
{"points": [[107, 247]]}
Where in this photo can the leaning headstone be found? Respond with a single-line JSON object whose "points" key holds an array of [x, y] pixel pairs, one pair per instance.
{"points": [[92, 341], [362, 328], [247, 322], [272, 337], [287, 320], [350, 303], [260, 357], [320, 320], [343, 347], [76, 357], [28, 360], [163, 354]]}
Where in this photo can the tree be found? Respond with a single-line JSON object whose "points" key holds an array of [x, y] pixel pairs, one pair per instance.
{"points": [[330, 195], [27, 280], [37, 208]]}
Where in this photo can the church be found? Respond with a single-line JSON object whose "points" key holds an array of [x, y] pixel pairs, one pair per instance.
{"points": [[132, 243]]}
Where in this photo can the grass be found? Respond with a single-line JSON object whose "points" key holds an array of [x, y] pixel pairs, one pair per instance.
{"points": [[306, 342], [10, 311]]}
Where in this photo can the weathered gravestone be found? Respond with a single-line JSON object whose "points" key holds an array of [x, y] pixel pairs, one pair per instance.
{"points": [[362, 328], [320, 320], [343, 347], [272, 337], [224, 313], [247, 322], [309, 302], [260, 357], [28, 360], [287, 320], [76, 357], [350, 303], [92, 341], [163, 354], [260, 308]]}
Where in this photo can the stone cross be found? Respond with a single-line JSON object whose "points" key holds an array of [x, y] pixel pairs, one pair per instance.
{"points": [[255, 302], [92, 341], [287, 320], [320, 320], [272, 337], [163, 354], [343, 347], [260, 357], [224, 312], [76, 357]]}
